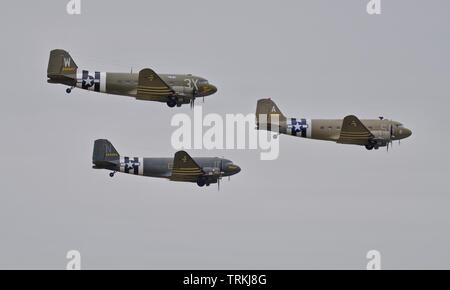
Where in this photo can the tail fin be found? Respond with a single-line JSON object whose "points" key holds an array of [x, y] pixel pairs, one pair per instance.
{"points": [[104, 153], [270, 109], [61, 67]]}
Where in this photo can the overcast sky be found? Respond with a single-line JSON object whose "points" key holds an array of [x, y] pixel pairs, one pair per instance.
{"points": [[319, 205]]}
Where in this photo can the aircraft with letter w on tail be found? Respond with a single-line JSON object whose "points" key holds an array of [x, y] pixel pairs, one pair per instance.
{"points": [[371, 133], [172, 89], [182, 167]]}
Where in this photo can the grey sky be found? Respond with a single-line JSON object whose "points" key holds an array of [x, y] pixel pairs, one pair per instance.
{"points": [[320, 205]]}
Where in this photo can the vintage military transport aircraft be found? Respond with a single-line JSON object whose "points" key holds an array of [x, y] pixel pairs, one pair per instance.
{"points": [[182, 167], [371, 133], [173, 89]]}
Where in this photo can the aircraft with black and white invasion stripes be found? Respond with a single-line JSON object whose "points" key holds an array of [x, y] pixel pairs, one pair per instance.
{"points": [[182, 167], [371, 133], [172, 89]]}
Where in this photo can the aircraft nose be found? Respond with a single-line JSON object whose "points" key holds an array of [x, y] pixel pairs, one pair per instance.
{"points": [[208, 89], [406, 132], [212, 89], [233, 169]]}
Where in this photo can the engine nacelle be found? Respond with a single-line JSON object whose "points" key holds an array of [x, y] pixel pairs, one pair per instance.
{"points": [[212, 171], [381, 138], [183, 91]]}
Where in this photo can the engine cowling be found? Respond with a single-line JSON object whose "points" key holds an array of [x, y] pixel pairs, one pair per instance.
{"points": [[212, 171], [183, 91], [381, 137]]}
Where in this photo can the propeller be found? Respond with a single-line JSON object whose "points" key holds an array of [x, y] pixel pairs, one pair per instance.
{"points": [[194, 95], [220, 174], [391, 131], [392, 134]]}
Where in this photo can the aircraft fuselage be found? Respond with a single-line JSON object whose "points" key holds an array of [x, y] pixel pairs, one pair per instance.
{"points": [[162, 167]]}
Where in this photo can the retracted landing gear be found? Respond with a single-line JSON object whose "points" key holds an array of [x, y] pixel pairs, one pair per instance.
{"points": [[372, 146], [172, 102], [201, 181]]}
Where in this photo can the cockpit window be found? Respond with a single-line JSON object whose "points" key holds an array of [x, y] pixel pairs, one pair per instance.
{"points": [[202, 82]]}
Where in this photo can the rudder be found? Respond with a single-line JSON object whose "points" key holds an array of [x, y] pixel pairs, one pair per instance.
{"points": [[271, 111], [61, 67], [104, 152]]}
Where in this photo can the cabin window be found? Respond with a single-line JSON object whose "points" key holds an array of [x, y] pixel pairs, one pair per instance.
{"points": [[322, 127]]}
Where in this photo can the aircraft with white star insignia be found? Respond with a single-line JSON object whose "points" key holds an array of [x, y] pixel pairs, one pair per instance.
{"points": [[182, 167], [371, 133], [147, 85]]}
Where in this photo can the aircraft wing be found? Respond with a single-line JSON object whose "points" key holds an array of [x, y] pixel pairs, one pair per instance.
{"points": [[185, 168], [151, 87], [354, 132]]}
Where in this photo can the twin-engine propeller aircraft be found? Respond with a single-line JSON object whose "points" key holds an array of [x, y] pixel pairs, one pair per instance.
{"points": [[173, 89], [372, 134], [202, 170]]}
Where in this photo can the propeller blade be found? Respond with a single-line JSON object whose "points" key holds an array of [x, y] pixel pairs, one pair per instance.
{"points": [[194, 95], [220, 174]]}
